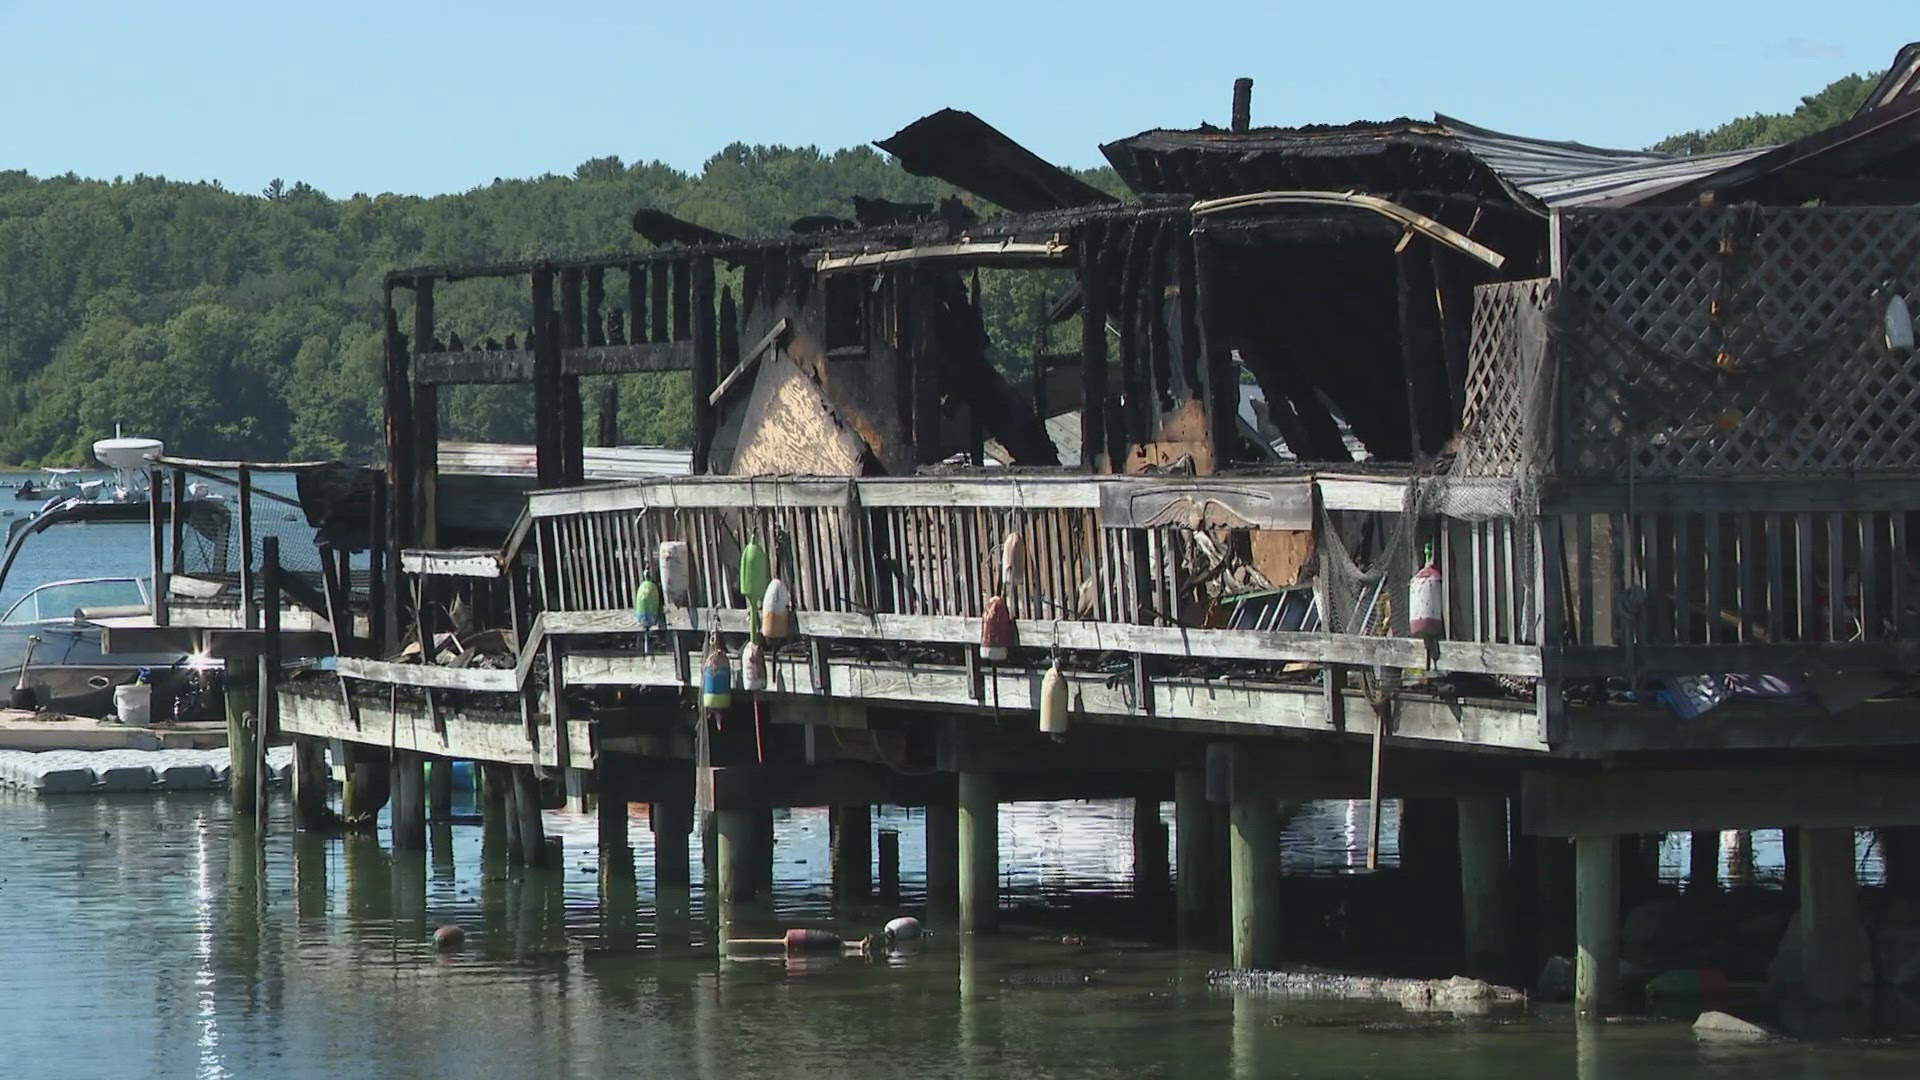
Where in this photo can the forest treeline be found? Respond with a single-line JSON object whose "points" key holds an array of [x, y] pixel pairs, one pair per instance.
{"points": [[240, 325]]}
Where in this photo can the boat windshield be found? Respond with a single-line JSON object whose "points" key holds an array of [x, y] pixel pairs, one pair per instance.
{"points": [[61, 599]]}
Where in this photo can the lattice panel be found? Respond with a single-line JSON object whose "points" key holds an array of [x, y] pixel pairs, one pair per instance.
{"points": [[1734, 341], [1493, 428]]}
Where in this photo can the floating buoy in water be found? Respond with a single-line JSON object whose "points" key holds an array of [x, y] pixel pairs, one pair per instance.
{"points": [[716, 679], [755, 571], [1053, 701], [449, 937], [676, 571], [753, 667], [1013, 559], [996, 630], [776, 611], [808, 941], [648, 608], [904, 928], [1426, 602]]}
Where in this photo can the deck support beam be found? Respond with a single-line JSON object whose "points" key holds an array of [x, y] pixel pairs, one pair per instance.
{"points": [[979, 852], [1596, 968], [1254, 856], [1485, 892]]}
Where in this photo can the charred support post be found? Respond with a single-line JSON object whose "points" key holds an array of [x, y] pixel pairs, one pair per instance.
{"points": [[943, 857], [426, 424], [706, 358], [1196, 901], [1596, 969], [269, 707], [409, 801], [528, 822], [979, 852], [852, 837], [1485, 895], [1093, 350], [572, 415], [1242, 104], [157, 545], [1254, 855], [1217, 379], [397, 511], [548, 421], [1829, 917], [672, 824]]}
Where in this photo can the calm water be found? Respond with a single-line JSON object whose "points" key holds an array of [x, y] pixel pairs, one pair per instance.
{"points": [[141, 940]]}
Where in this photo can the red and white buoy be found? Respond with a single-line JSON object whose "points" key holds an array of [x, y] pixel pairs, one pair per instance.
{"points": [[1427, 602], [996, 630]]}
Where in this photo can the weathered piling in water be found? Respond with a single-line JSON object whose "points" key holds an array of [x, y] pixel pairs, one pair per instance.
{"points": [[1150, 864], [309, 782], [851, 829], [1830, 936], [1254, 856], [736, 839], [409, 782], [527, 818], [440, 788], [1196, 902], [610, 816], [889, 857], [942, 843], [1596, 968], [1485, 889], [672, 824], [243, 674], [979, 852]]}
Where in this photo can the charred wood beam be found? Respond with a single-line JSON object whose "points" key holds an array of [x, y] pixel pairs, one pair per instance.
{"points": [[1218, 384], [572, 413], [1429, 412], [700, 316], [660, 302], [637, 330], [516, 365], [547, 421], [425, 462], [596, 303], [399, 477], [660, 227], [1093, 349], [1135, 418]]}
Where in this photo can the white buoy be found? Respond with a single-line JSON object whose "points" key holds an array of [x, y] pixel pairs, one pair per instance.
{"points": [[753, 667], [1053, 701], [776, 611], [904, 928], [676, 571]]}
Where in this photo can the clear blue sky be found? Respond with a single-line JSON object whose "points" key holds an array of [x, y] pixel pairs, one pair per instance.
{"points": [[427, 98]]}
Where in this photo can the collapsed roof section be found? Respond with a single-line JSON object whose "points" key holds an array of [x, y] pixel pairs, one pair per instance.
{"points": [[974, 156]]}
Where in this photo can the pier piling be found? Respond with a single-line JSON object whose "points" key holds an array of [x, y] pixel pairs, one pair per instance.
{"points": [[942, 844], [736, 841], [242, 679], [527, 820], [1254, 856], [889, 846], [610, 811], [409, 801], [852, 840], [979, 852], [1195, 900], [309, 782], [1485, 894], [672, 824], [1829, 917], [440, 788], [1596, 973]]}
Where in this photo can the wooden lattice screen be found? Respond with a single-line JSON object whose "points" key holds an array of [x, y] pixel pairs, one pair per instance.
{"points": [[1740, 340], [1509, 333]]}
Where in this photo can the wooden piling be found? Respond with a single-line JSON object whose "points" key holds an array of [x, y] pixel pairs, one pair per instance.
{"points": [[889, 844], [1150, 868], [610, 811], [736, 838], [851, 828], [1596, 970], [491, 785], [528, 822], [1254, 856], [409, 801], [672, 824], [1703, 861], [942, 844], [510, 803], [1194, 878], [309, 782], [269, 680], [440, 788], [979, 852], [242, 679], [1485, 891], [1830, 955]]}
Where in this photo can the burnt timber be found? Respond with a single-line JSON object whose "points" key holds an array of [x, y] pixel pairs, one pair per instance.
{"points": [[1643, 412]]}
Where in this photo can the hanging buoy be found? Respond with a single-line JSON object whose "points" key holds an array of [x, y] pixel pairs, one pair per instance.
{"points": [[755, 571], [753, 667], [996, 630], [776, 611], [648, 609], [716, 679], [676, 571], [1013, 559], [1899, 324], [1053, 701], [1426, 602]]}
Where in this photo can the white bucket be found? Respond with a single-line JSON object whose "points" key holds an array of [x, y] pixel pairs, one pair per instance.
{"points": [[133, 703]]}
